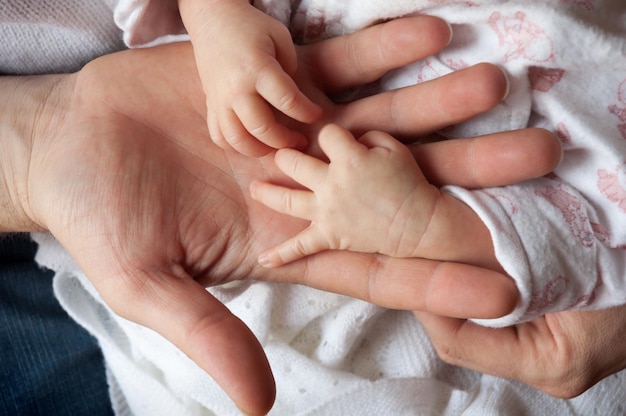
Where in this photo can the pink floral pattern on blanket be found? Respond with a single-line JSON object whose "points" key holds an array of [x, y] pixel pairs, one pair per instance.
{"points": [[544, 79], [563, 134], [548, 295], [612, 184], [604, 236], [572, 210], [619, 109], [521, 38]]}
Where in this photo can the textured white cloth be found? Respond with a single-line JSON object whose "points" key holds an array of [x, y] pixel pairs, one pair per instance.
{"points": [[38, 37], [337, 356]]}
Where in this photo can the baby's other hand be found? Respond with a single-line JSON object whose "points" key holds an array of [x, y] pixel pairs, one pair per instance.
{"points": [[246, 60]]}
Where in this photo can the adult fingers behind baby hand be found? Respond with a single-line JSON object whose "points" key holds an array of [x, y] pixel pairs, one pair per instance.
{"points": [[427, 107], [492, 160], [445, 288]]}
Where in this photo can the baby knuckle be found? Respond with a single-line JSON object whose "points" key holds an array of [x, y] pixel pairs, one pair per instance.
{"points": [[293, 167], [300, 248], [234, 140], [286, 201], [288, 101], [260, 130]]}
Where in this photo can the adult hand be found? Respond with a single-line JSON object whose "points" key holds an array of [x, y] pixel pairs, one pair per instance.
{"points": [[562, 354], [123, 173]]}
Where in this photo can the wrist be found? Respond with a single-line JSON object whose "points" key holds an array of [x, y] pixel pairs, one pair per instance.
{"points": [[456, 233], [197, 15], [29, 112]]}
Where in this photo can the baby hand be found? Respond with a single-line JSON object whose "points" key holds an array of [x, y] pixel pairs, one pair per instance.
{"points": [[246, 59], [371, 197]]}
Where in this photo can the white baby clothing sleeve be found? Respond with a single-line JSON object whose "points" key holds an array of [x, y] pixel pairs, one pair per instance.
{"points": [[149, 22], [544, 238]]}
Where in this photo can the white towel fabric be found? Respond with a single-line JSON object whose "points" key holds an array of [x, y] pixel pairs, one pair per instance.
{"points": [[337, 356]]}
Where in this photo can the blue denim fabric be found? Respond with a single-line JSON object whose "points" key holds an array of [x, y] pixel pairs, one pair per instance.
{"points": [[49, 365]]}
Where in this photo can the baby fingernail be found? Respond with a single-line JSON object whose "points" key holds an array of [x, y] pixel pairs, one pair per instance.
{"points": [[264, 260]]}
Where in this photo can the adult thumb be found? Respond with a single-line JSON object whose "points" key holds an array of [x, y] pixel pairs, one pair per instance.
{"points": [[183, 312]]}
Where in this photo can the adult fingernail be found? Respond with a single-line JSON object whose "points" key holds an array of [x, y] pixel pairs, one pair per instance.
{"points": [[508, 83], [451, 32], [264, 260]]}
